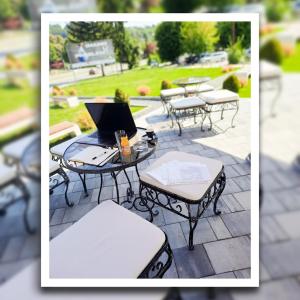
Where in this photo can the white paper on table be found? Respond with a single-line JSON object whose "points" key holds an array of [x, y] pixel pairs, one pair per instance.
{"points": [[180, 172]]}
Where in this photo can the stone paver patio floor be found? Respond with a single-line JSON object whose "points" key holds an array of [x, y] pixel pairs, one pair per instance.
{"points": [[222, 242]]}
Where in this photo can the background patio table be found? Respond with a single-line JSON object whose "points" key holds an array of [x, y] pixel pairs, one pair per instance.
{"points": [[116, 165], [183, 82]]}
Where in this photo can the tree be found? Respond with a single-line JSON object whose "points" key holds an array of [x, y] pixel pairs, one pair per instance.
{"points": [[230, 32], [179, 6], [131, 51], [198, 37], [78, 32], [7, 10], [56, 29], [168, 39], [276, 10], [116, 6], [222, 5]]}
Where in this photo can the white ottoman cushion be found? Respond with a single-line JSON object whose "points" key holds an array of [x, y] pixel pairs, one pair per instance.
{"points": [[172, 92], [16, 149], [108, 242], [269, 70], [219, 96], [188, 102], [192, 192]]}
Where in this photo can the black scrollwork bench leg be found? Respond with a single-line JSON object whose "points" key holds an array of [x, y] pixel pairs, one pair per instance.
{"points": [[222, 183]]}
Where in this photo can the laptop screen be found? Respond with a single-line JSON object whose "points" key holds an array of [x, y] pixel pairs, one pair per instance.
{"points": [[110, 117]]}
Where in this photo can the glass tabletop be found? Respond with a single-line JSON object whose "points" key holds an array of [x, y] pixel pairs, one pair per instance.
{"points": [[191, 80], [117, 162]]}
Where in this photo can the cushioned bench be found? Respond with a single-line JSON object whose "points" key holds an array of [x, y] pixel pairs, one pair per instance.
{"points": [[196, 197], [169, 94], [62, 129], [271, 79], [184, 108], [23, 117], [26, 285], [14, 151], [109, 242], [220, 101]]}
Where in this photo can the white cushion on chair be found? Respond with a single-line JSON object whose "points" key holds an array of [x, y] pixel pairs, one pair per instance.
{"points": [[188, 102], [60, 149], [53, 166], [192, 192], [198, 88], [219, 96], [16, 148], [108, 242], [172, 92], [7, 173], [269, 70]]}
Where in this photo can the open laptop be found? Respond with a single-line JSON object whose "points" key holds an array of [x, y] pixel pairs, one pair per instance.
{"points": [[108, 118]]}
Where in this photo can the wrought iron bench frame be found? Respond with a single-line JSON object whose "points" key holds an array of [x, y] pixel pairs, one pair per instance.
{"points": [[149, 196], [156, 268]]}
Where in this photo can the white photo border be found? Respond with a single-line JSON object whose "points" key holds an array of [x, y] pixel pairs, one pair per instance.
{"points": [[46, 20]]}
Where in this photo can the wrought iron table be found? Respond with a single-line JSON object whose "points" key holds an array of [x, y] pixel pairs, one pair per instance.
{"points": [[113, 167], [184, 82]]}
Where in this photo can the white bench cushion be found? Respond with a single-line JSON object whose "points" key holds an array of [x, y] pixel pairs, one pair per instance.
{"points": [[53, 166], [188, 102], [219, 96], [16, 149], [109, 242], [192, 192], [60, 149], [26, 286], [172, 92], [269, 70], [7, 173], [198, 88]]}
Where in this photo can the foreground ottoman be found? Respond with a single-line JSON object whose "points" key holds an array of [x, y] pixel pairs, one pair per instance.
{"points": [[110, 242], [196, 197], [220, 101]]}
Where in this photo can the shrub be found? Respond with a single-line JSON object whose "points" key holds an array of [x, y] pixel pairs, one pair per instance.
{"points": [[232, 84], [272, 51], [85, 121], [288, 50], [72, 92], [227, 69], [166, 84], [143, 90], [92, 72], [35, 64], [153, 59], [235, 52], [121, 97], [276, 10]]}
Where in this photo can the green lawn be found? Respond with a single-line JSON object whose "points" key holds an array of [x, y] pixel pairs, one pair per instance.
{"points": [[59, 114], [292, 63], [129, 81], [14, 98]]}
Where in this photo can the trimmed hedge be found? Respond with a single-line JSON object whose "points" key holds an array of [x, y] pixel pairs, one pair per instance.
{"points": [[232, 83], [272, 51], [121, 97]]}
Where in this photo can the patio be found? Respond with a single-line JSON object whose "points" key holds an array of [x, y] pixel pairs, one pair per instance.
{"points": [[222, 243]]}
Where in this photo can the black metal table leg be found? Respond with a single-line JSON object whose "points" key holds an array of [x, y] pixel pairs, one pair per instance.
{"points": [[113, 174], [100, 189]]}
